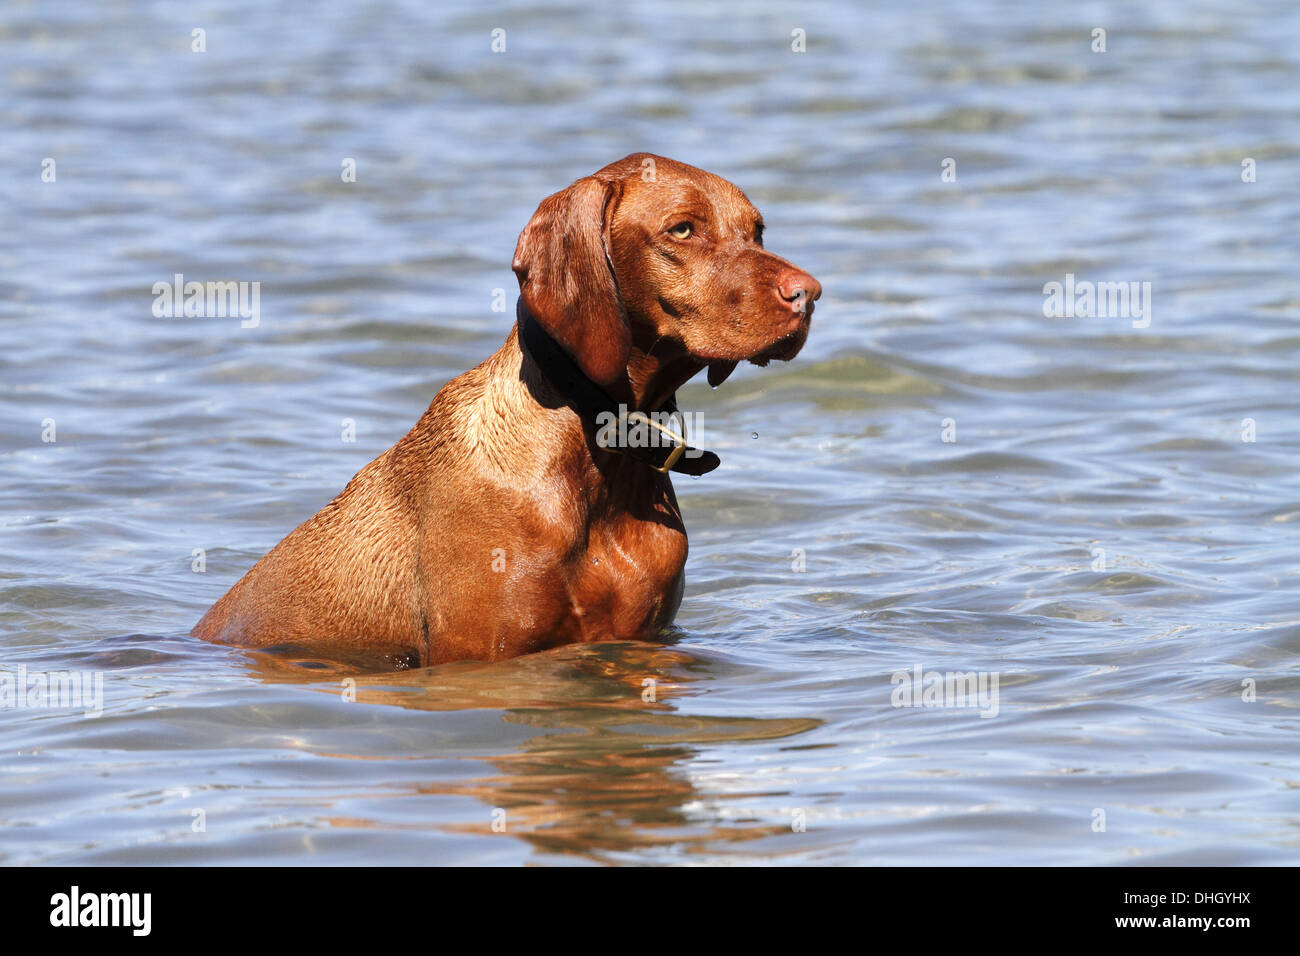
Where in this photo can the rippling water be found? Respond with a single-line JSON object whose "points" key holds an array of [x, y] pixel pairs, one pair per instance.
{"points": [[1102, 516]]}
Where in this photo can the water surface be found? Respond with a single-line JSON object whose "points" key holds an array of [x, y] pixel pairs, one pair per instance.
{"points": [[1099, 533]]}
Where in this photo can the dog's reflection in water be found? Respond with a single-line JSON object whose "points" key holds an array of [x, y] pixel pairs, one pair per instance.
{"points": [[607, 769]]}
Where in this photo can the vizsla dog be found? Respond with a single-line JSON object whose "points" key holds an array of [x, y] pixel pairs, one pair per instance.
{"points": [[508, 520]]}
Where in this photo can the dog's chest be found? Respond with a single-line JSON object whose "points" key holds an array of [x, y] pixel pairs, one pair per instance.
{"points": [[628, 583]]}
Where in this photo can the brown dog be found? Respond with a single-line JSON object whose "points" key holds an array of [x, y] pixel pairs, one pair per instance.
{"points": [[506, 521]]}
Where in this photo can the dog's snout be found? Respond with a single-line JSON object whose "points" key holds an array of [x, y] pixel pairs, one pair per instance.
{"points": [[797, 288]]}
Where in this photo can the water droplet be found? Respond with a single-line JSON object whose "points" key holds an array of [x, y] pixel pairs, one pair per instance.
{"points": [[753, 435]]}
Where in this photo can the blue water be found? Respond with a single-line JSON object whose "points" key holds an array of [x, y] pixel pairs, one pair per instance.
{"points": [[1102, 516]]}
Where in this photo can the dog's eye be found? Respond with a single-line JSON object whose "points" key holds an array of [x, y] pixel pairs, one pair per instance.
{"points": [[683, 230]]}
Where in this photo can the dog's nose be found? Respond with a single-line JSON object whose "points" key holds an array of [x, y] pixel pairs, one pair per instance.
{"points": [[797, 288]]}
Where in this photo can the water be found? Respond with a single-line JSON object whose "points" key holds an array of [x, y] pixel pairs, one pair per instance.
{"points": [[1099, 536]]}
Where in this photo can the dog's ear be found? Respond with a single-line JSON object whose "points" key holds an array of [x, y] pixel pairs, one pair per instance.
{"points": [[567, 281]]}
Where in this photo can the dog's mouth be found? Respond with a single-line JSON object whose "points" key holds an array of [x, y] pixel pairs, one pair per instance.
{"points": [[784, 348]]}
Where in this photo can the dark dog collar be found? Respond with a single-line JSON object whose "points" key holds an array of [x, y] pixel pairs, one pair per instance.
{"points": [[668, 452]]}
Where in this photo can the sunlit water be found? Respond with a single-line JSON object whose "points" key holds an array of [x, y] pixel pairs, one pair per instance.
{"points": [[944, 479]]}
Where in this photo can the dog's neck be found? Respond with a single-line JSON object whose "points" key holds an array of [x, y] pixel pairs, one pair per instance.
{"points": [[656, 369], [644, 394]]}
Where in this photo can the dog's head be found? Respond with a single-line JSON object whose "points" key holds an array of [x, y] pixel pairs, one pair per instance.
{"points": [[654, 245]]}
